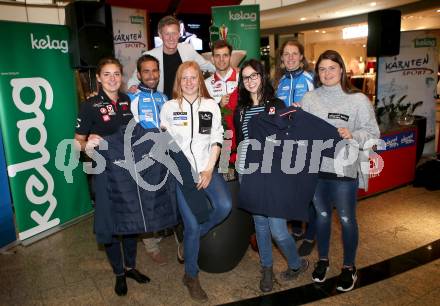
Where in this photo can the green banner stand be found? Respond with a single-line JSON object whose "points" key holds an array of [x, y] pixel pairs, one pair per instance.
{"points": [[239, 25], [38, 109]]}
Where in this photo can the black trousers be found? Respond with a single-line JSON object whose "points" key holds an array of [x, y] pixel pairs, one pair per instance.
{"points": [[121, 253]]}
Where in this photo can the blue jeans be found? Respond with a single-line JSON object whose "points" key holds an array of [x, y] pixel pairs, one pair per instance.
{"points": [[267, 228], [220, 198], [342, 195]]}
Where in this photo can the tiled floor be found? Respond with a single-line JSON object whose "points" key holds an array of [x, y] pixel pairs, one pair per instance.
{"points": [[68, 268]]}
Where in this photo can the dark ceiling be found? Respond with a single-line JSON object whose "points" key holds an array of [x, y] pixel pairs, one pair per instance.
{"points": [[174, 6]]}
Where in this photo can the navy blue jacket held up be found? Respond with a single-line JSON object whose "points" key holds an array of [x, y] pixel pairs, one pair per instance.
{"points": [[124, 207], [273, 192]]}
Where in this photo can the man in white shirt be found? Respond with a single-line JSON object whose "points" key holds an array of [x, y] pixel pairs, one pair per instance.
{"points": [[170, 55]]}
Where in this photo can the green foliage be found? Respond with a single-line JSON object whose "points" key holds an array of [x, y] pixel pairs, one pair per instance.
{"points": [[388, 109]]}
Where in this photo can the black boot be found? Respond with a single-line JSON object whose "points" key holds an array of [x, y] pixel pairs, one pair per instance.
{"points": [[195, 290], [137, 276], [121, 285], [266, 282]]}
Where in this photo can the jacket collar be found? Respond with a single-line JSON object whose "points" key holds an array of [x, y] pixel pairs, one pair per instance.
{"points": [[146, 89], [231, 75]]}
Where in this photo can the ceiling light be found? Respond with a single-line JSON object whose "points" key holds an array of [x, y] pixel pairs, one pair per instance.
{"points": [[316, 31], [364, 46], [355, 32], [323, 32], [438, 11], [303, 18], [373, 4]]}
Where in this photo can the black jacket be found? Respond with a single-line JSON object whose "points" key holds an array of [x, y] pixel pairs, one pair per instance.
{"points": [[278, 190], [123, 206]]}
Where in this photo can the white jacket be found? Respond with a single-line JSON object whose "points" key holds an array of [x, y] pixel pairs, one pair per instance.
{"points": [[187, 53], [195, 128], [219, 86]]}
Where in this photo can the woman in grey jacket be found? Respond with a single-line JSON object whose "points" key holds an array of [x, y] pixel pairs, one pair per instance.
{"points": [[352, 113]]}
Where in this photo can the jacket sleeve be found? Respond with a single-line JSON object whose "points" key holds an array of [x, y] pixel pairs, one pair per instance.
{"points": [[192, 54], [133, 80], [165, 120], [217, 127], [134, 106], [305, 102], [366, 124]]}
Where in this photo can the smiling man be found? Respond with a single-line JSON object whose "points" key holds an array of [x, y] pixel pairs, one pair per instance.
{"points": [[222, 86], [146, 103], [170, 55]]}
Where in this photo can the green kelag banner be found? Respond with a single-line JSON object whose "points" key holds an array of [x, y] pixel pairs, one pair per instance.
{"points": [[240, 26], [38, 111]]}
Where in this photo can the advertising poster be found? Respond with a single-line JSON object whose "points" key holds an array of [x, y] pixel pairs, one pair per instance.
{"points": [[407, 81], [7, 228], [129, 37], [38, 111], [240, 26]]}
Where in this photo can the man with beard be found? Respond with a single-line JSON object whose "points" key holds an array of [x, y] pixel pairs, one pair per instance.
{"points": [[146, 104]]}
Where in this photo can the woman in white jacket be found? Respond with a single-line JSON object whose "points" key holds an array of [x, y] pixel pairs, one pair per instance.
{"points": [[194, 121]]}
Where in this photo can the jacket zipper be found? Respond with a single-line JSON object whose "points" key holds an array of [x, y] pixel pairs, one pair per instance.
{"points": [[156, 120], [290, 91], [192, 136], [138, 192]]}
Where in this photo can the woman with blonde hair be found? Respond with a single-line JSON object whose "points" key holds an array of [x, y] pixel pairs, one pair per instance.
{"points": [[193, 119]]}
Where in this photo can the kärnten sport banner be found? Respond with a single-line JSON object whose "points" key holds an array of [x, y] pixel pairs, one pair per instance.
{"points": [[38, 109], [239, 25]]}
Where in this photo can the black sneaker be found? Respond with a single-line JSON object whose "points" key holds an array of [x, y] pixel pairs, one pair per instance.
{"points": [[306, 247], [321, 268], [347, 279], [291, 274]]}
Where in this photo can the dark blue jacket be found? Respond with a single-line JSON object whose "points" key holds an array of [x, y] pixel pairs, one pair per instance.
{"points": [[271, 191], [122, 205]]}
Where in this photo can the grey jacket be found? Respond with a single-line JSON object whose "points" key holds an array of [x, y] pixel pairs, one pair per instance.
{"points": [[187, 53], [352, 111]]}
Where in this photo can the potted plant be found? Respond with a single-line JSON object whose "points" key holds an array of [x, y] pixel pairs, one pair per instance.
{"points": [[391, 111]]}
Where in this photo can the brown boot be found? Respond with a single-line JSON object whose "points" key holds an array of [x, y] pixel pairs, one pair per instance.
{"points": [[194, 288]]}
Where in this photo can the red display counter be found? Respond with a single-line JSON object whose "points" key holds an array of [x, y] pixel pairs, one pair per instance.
{"points": [[399, 162]]}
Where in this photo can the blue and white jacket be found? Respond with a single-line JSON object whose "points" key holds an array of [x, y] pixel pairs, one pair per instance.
{"points": [[146, 105], [293, 85]]}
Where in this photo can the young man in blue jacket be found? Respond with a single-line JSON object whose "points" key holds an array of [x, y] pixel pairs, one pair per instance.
{"points": [[146, 103]]}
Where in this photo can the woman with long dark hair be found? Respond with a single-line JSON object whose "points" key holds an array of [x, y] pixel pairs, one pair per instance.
{"points": [[336, 102], [256, 96]]}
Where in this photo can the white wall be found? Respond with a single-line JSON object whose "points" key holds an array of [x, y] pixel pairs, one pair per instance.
{"points": [[35, 14]]}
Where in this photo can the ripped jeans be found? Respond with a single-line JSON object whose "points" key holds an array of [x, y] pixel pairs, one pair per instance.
{"points": [[342, 195]]}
